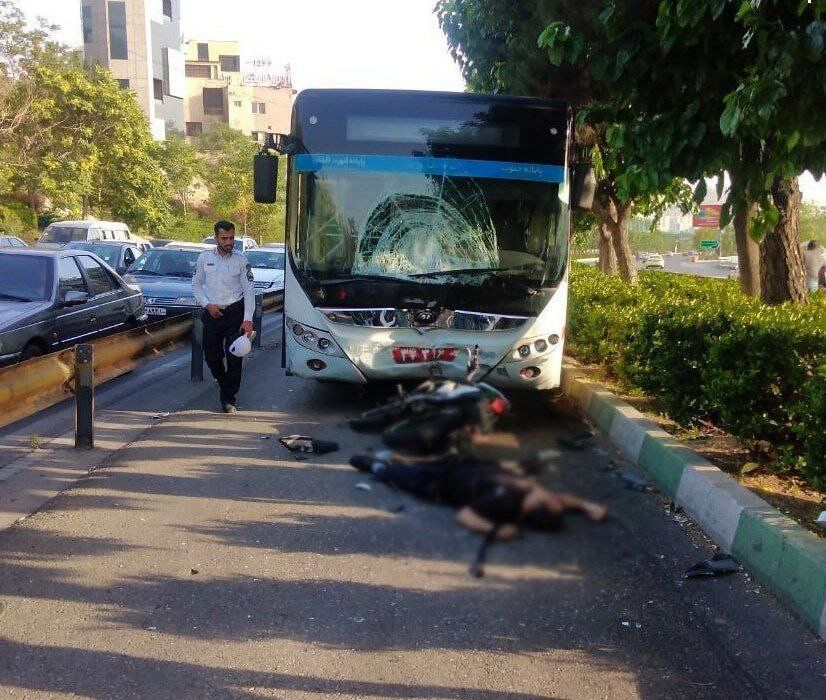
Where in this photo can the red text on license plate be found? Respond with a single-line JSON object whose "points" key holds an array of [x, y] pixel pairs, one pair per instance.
{"points": [[409, 356]]}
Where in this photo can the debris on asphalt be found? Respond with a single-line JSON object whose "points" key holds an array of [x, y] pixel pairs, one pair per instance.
{"points": [[193, 571], [306, 444], [719, 565], [364, 486], [264, 437], [161, 414], [633, 481], [395, 509]]}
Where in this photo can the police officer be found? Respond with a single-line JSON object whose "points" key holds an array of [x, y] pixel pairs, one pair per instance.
{"points": [[223, 287]]}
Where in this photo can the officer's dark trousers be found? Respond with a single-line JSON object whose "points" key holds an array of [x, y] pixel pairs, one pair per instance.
{"points": [[218, 336]]}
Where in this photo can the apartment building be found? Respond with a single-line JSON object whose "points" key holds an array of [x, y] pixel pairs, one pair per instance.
{"points": [[223, 86], [140, 43]]}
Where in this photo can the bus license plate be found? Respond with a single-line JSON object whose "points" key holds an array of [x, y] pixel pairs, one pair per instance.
{"points": [[410, 356], [156, 310]]}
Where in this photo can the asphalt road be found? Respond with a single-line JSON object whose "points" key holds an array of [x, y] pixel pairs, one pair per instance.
{"points": [[206, 561]]}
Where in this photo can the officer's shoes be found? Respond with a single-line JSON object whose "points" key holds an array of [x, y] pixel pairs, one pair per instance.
{"points": [[230, 408]]}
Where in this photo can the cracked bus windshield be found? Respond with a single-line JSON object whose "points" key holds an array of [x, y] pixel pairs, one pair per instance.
{"points": [[490, 243]]}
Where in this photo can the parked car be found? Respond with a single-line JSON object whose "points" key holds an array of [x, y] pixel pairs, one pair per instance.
{"points": [[116, 254], [654, 260], [164, 275], [242, 243], [53, 299], [12, 242], [59, 233], [267, 268]]}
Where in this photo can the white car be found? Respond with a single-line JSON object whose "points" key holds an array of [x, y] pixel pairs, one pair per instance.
{"points": [[654, 260], [267, 268], [242, 243]]}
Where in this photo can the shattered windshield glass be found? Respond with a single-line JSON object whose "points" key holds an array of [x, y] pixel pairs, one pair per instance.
{"points": [[431, 230]]}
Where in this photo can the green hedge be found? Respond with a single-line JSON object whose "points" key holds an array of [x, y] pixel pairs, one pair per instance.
{"points": [[709, 352]]}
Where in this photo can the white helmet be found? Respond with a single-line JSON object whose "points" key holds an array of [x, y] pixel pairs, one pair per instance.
{"points": [[241, 346]]}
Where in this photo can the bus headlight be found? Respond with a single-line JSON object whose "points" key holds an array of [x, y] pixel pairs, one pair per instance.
{"points": [[314, 339], [533, 347]]}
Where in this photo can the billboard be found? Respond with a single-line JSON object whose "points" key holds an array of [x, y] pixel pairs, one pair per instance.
{"points": [[262, 72], [708, 216]]}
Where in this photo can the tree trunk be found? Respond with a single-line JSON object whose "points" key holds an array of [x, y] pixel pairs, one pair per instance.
{"points": [[748, 252], [622, 244], [85, 207], [615, 216], [782, 274], [607, 256]]}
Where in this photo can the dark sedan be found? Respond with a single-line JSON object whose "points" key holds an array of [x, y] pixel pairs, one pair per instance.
{"points": [[164, 275], [51, 299], [117, 254]]}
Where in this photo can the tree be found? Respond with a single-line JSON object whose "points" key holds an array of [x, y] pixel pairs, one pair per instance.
{"points": [[229, 177], [182, 165], [537, 47], [86, 145]]}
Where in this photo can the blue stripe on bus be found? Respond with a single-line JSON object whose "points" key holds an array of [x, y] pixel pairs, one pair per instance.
{"points": [[502, 170]]}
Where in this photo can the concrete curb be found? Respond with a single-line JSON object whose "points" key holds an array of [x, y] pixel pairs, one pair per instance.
{"points": [[775, 549]]}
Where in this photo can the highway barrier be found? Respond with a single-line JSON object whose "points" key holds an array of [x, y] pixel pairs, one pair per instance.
{"points": [[30, 386]]}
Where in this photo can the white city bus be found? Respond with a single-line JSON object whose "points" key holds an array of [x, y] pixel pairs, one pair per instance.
{"points": [[423, 228]]}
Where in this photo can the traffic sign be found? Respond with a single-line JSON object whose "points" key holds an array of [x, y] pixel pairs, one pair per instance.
{"points": [[710, 244]]}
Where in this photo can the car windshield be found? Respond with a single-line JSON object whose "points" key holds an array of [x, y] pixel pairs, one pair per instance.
{"points": [[495, 242], [25, 277], [266, 259], [166, 262], [63, 234], [109, 253]]}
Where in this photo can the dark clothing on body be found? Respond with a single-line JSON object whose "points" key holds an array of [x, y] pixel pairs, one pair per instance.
{"points": [[484, 486], [218, 336]]}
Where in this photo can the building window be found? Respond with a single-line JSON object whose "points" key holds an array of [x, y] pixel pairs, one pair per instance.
{"points": [[203, 52], [230, 64], [214, 101], [259, 108], [194, 128], [157, 88], [197, 70], [167, 8], [118, 48], [123, 83], [86, 20], [237, 103]]}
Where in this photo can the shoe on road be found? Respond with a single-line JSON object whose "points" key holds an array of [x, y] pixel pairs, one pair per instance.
{"points": [[230, 408]]}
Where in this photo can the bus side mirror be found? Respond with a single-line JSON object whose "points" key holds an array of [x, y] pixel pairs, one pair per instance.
{"points": [[583, 185], [265, 177]]}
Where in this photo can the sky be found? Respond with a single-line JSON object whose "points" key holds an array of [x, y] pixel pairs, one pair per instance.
{"points": [[328, 43]]}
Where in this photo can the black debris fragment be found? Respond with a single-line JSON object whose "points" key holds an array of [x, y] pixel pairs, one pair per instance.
{"points": [[633, 481], [719, 565]]}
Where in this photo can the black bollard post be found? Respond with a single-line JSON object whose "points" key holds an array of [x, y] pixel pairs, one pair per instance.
{"points": [[257, 317], [84, 397], [196, 370]]}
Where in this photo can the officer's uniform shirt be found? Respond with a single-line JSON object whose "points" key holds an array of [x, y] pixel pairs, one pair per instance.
{"points": [[224, 279]]}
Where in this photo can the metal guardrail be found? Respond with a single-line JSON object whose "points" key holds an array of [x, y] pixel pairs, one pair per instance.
{"points": [[32, 385]]}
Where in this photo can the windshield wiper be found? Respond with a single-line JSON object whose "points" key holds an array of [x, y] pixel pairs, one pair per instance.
{"points": [[362, 278], [178, 273], [472, 271], [144, 272]]}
